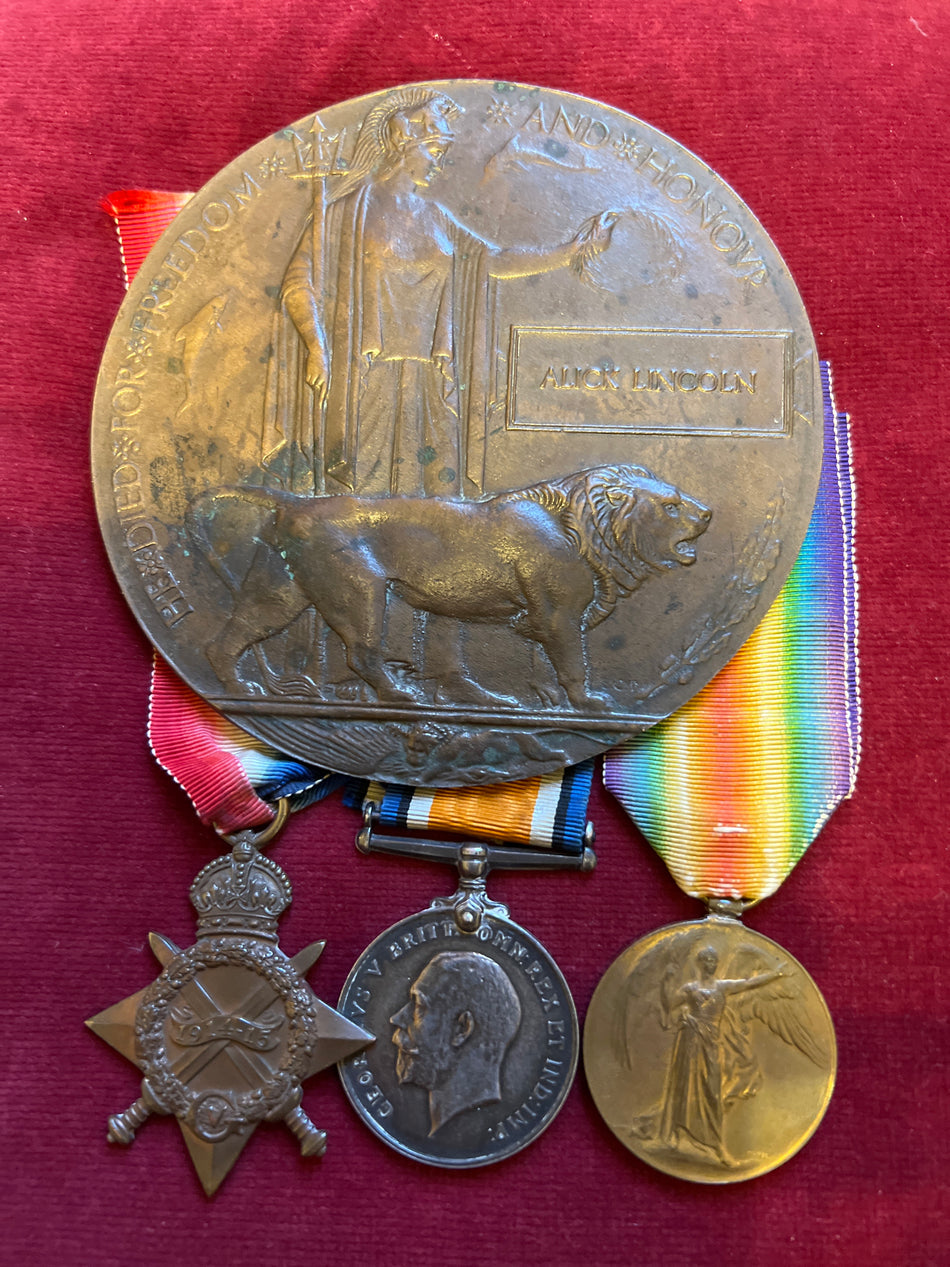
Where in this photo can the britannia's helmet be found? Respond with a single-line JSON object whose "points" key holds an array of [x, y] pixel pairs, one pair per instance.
{"points": [[406, 117], [416, 126]]}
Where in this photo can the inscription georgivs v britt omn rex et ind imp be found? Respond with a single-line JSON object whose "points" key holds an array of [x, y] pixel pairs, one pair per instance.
{"points": [[480, 1068]]}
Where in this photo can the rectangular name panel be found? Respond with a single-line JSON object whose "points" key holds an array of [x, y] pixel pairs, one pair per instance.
{"points": [[652, 382]]}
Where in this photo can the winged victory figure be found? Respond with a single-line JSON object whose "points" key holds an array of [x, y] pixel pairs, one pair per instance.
{"points": [[711, 1000]]}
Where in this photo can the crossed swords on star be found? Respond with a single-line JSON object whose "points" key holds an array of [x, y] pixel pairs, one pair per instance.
{"points": [[122, 1126], [201, 1001]]}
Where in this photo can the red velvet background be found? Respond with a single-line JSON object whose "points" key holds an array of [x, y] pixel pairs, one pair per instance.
{"points": [[829, 118]]}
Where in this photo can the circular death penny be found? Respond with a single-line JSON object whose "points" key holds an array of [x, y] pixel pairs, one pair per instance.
{"points": [[476, 1039], [709, 1051], [454, 433]]}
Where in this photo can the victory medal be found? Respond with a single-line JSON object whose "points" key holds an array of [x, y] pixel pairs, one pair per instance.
{"points": [[708, 1049]]}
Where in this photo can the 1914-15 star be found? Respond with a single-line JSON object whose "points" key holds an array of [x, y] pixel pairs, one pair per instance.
{"points": [[228, 1032]]}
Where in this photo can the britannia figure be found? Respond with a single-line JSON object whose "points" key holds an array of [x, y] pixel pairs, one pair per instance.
{"points": [[379, 376]]}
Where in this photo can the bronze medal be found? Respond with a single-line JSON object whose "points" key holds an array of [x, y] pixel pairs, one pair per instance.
{"points": [[709, 1051], [454, 433], [230, 1029]]}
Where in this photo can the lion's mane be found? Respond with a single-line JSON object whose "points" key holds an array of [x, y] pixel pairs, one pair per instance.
{"points": [[591, 505]]}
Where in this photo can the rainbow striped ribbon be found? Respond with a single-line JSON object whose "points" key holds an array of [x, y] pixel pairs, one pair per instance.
{"points": [[733, 788]]}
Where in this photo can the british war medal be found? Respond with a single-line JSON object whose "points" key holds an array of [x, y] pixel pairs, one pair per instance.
{"points": [[477, 1039]]}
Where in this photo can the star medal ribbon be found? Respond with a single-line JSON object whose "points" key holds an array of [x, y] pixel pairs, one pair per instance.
{"points": [[708, 1049]]}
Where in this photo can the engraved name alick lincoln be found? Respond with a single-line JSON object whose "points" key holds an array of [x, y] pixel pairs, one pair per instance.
{"points": [[383, 338], [451, 1037], [713, 1063]]}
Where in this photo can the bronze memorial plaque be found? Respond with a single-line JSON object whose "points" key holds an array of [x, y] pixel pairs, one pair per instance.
{"points": [[457, 432]]}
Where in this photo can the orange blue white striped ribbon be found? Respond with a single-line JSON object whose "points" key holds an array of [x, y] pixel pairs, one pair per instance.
{"points": [[547, 812], [732, 789]]}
